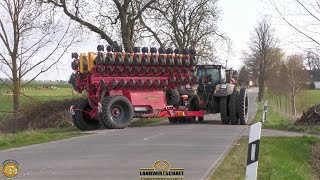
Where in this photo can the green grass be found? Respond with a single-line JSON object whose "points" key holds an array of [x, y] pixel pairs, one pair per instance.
{"points": [[29, 137], [233, 165], [145, 121], [65, 91], [279, 121], [279, 158]]}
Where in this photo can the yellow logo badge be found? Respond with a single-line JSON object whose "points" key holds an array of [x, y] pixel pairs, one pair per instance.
{"points": [[161, 170], [161, 165], [10, 168]]}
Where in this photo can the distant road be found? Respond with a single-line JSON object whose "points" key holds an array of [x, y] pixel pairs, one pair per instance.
{"points": [[118, 154]]}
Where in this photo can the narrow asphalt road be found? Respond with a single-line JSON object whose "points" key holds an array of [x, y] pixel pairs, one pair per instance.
{"points": [[118, 154]]}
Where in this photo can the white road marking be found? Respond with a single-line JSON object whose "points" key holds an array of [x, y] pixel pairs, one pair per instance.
{"points": [[152, 136]]}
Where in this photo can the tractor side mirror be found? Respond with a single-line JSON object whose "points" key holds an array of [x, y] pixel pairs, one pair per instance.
{"points": [[228, 75]]}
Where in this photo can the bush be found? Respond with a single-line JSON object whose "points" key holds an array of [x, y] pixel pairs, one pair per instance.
{"points": [[40, 115], [312, 86]]}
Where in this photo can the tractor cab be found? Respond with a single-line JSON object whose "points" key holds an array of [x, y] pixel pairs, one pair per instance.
{"points": [[209, 77], [211, 74]]}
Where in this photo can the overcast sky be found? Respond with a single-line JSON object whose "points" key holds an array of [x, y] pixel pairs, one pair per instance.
{"points": [[238, 20], [239, 17]]}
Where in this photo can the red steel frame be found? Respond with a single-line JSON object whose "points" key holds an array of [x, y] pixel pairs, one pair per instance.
{"points": [[99, 84]]}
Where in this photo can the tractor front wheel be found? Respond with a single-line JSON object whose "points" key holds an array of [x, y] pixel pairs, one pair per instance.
{"points": [[81, 118], [224, 110], [243, 106], [232, 107], [117, 112]]}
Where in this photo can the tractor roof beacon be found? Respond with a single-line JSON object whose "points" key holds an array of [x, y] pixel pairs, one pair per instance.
{"points": [[151, 83]]}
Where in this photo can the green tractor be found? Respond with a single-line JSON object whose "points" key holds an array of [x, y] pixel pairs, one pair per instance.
{"points": [[215, 93]]}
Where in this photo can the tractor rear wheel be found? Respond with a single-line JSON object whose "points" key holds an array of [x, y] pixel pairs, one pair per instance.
{"points": [[232, 107], [243, 106], [117, 112], [173, 97], [81, 118], [224, 110]]}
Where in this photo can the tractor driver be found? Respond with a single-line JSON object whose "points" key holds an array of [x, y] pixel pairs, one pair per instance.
{"points": [[204, 78]]}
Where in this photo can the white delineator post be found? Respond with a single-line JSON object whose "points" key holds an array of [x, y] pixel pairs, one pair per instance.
{"points": [[264, 111], [253, 151]]}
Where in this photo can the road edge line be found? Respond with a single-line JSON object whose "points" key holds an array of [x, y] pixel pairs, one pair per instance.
{"points": [[216, 163]]}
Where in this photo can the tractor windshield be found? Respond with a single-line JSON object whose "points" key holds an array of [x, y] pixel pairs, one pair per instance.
{"points": [[208, 75]]}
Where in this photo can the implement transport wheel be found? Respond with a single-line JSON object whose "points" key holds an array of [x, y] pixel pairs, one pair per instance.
{"points": [[232, 107], [194, 106], [173, 97], [173, 120], [117, 112], [224, 110], [190, 119], [242, 105], [81, 118]]}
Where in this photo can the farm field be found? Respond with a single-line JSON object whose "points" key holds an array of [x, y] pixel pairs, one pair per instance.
{"points": [[304, 100], [36, 92]]}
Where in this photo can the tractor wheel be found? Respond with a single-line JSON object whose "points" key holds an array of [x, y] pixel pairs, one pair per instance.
{"points": [[173, 120], [195, 106], [200, 118], [117, 112], [173, 97], [224, 110], [232, 107], [81, 119], [243, 106], [74, 121], [189, 119], [100, 117]]}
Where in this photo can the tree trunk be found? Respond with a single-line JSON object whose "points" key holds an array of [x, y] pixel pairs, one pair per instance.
{"points": [[286, 103], [16, 87], [16, 97], [261, 90], [293, 105]]}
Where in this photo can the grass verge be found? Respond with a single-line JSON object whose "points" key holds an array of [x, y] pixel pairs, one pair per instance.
{"points": [[279, 121], [279, 158], [29, 137], [8, 141], [145, 121]]}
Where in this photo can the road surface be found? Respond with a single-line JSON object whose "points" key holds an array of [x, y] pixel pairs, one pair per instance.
{"points": [[118, 154]]}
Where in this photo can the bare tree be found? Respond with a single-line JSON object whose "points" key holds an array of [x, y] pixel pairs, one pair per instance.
{"points": [[312, 60], [113, 20], [301, 15], [296, 78], [243, 79], [262, 54], [32, 42], [184, 24]]}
